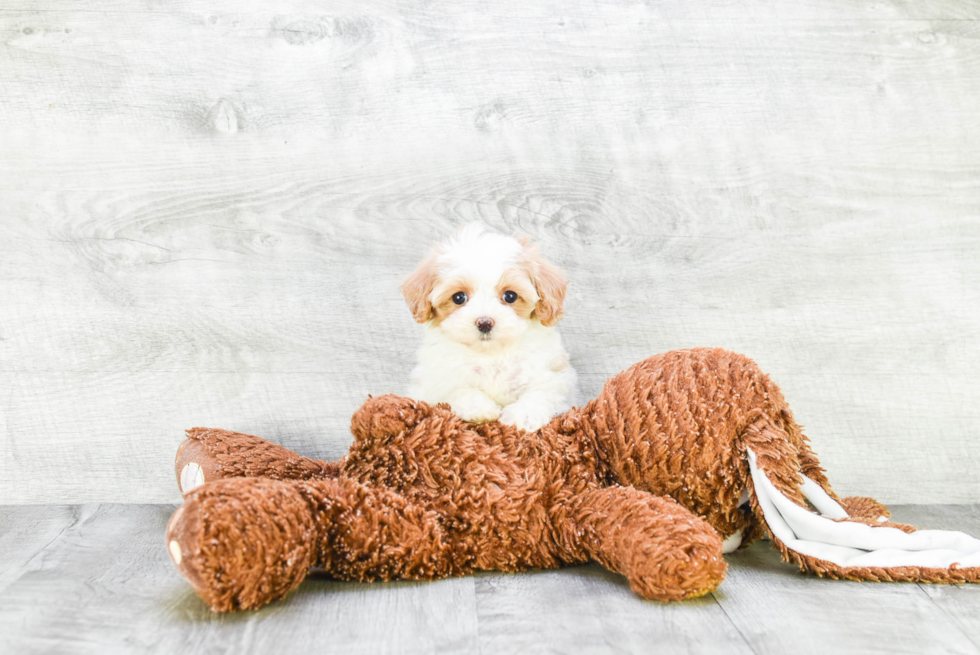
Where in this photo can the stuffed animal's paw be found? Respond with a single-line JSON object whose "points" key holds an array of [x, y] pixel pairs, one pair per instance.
{"points": [[681, 556], [194, 466], [242, 543], [664, 550], [677, 571]]}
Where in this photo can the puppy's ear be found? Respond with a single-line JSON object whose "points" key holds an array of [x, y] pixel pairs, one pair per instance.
{"points": [[550, 283], [523, 239], [417, 288]]}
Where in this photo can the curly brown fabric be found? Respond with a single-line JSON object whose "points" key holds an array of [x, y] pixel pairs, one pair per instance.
{"points": [[865, 508], [645, 479]]}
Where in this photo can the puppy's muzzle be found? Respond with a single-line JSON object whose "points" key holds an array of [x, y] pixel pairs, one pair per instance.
{"points": [[484, 324]]}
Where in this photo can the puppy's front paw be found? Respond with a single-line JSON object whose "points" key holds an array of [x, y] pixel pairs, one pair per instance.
{"points": [[476, 408], [525, 416]]}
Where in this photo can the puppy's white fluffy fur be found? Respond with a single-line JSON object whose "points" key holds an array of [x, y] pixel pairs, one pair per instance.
{"points": [[518, 370]]}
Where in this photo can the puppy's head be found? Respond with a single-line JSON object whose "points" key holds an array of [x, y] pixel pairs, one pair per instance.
{"points": [[484, 290]]}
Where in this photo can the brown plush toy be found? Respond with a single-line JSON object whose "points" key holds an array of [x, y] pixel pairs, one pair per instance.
{"points": [[676, 454]]}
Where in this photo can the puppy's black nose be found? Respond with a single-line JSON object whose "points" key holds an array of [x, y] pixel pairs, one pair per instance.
{"points": [[484, 324]]}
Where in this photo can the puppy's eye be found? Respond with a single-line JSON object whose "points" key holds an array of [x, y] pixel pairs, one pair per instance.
{"points": [[459, 297], [510, 297]]}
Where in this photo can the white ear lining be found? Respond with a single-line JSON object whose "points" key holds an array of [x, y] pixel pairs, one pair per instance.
{"points": [[821, 500]]}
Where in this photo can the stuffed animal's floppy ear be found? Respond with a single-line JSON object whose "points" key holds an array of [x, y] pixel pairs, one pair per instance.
{"points": [[417, 288], [550, 283]]}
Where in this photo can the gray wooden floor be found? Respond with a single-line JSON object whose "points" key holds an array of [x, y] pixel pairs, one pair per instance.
{"points": [[96, 578]]}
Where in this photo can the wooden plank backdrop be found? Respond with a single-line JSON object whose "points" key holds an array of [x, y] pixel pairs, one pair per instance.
{"points": [[206, 209]]}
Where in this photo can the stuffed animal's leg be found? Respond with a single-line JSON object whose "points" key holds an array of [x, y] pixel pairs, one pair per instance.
{"points": [[242, 543], [211, 454], [664, 550]]}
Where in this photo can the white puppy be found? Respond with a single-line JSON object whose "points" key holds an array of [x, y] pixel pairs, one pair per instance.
{"points": [[489, 304]]}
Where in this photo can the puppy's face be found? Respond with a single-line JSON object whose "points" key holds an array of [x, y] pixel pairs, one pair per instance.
{"points": [[484, 290]]}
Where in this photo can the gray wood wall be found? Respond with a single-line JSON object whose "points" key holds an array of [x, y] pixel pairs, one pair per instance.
{"points": [[206, 208]]}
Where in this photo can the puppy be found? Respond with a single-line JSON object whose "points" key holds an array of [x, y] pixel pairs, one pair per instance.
{"points": [[489, 304]]}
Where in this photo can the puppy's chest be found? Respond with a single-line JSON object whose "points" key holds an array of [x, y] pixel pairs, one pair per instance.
{"points": [[504, 379]]}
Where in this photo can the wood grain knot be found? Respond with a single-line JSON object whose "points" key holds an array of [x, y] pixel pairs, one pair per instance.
{"points": [[302, 31], [223, 117]]}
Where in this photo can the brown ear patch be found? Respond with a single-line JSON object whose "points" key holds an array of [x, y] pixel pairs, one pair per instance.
{"points": [[523, 239], [549, 282], [418, 285], [516, 280], [442, 302]]}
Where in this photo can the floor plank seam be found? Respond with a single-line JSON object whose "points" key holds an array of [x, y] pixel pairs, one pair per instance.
{"points": [[77, 520], [952, 619], [741, 634]]}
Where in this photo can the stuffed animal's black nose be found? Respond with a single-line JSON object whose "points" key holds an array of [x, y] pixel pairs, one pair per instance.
{"points": [[484, 324]]}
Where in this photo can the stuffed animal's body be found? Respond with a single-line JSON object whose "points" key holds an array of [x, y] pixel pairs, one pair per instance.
{"points": [[676, 453]]}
